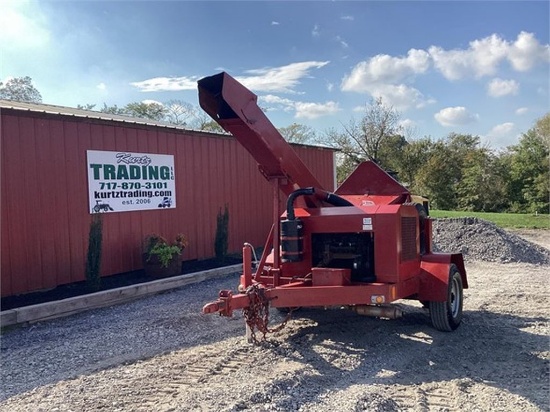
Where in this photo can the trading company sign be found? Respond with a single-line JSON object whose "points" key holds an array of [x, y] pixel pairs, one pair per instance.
{"points": [[125, 181]]}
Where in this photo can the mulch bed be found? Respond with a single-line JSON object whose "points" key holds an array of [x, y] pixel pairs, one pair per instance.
{"points": [[107, 283]]}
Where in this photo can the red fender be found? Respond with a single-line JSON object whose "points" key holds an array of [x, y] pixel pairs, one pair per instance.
{"points": [[434, 275]]}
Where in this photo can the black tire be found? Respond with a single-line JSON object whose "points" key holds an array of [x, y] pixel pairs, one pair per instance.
{"points": [[446, 316]]}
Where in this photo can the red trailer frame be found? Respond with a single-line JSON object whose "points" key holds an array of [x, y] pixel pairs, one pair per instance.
{"points": [[363, 247]]}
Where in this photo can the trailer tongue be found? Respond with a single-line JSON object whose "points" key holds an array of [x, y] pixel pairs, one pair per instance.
{"points": [[362, 247]]}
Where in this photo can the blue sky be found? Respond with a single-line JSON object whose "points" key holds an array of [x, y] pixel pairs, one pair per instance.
{"points": [[449, 66]]}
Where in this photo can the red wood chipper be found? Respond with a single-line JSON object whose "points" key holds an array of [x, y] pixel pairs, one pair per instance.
{"points": [[362, 247]]}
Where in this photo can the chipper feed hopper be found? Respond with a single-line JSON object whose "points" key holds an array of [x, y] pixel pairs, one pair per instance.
{"points": [[362, 247]]}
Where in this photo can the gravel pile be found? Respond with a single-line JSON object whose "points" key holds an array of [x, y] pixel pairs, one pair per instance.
{"points": [[478, 239]]}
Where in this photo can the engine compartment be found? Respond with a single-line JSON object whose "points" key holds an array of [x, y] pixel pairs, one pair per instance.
{"points": [[354, 251]]}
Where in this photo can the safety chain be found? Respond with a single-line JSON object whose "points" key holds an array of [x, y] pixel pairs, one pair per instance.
{"points": [[256, 314]]}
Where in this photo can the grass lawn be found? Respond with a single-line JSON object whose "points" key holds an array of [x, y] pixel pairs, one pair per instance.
{"points": [[504, 220]]}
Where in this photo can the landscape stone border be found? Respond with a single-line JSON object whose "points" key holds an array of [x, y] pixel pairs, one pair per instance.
{"points": [[71, 306]]}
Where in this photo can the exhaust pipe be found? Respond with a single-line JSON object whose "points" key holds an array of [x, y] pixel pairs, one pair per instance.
{"points": [[390, 312]]}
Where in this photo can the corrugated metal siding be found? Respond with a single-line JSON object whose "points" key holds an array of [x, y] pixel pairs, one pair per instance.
{"points": [[45, 219]]}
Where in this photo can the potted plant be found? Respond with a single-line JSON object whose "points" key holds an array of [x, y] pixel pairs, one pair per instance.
{"points": [[162, 258]]}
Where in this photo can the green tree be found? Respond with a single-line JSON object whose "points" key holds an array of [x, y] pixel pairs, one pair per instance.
{"points": [[482, 186], [542, 129], [179, 112], [455, 172], [86, 106], [298, 133], [529, 161], [175, 112], [114, 109], [463, 143], [345, 165], [437, 177], [391, 153], [153, 111], [415, 154], [20, 89], [193, 117], [210, 126], [364, 140]]}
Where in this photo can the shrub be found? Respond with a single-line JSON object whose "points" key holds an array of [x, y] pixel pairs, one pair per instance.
{"points": [[156, 245], [93, 260], [221, 240]]}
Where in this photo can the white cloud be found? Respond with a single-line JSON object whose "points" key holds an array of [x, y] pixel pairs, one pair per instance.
{"points": [[502, 129], [480, 59], [167, 84], [275, 23], [383, 76], [315, 110], [400, 96], [484, 56], [348, 18], [498, 87], [102, 86], [303, 110], [383, 68], [455, 116], [24, 27], [315, 32], [283, 79], [522, 110], [279, 79], [409, 128], [150, 101], [276, 103], [342, 42], [407, 124], [501, 135], [526, 51], [392, 77]]}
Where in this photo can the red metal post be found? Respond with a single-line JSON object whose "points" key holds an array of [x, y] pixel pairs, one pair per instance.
{"points": [[276, 225], [247, 266]]}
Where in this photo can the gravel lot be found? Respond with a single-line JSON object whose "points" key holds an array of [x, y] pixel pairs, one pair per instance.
{"points": [[161, 354]]}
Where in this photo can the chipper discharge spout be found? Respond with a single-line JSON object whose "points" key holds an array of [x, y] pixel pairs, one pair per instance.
{"points": [[361, 248], [236, 110]]}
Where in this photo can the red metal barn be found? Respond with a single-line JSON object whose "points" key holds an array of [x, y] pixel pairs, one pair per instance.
{"points": [[45, 214]]}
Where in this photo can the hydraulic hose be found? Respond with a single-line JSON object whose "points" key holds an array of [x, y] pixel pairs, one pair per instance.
{"points": [[323, 195], [290, 201]]}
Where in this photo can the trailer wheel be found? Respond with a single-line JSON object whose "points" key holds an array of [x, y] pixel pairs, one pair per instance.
{"points": [[446, 316]]}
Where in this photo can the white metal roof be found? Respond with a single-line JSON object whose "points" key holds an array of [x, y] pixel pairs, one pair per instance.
{"points": [[88, 114], [92, 114]]}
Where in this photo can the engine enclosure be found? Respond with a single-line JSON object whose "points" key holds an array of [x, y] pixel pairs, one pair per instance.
{"points": [[376, 243]]}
